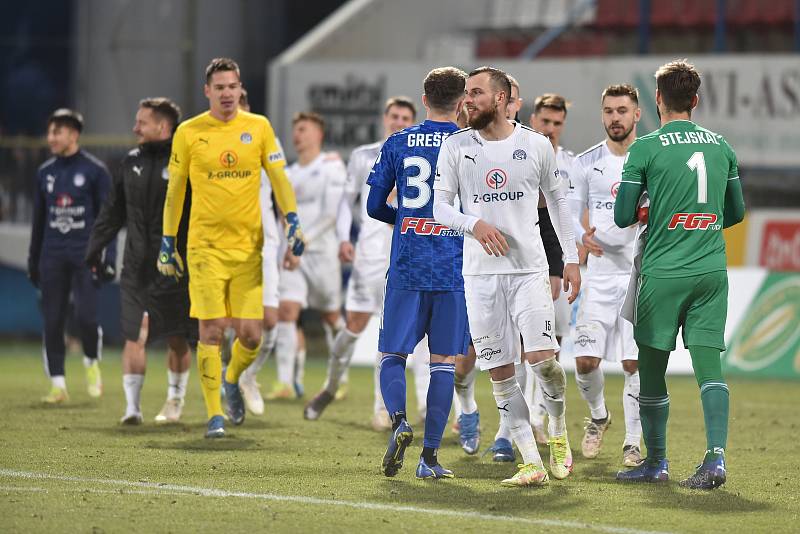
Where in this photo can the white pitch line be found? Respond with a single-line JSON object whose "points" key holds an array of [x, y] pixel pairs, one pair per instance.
{"points": [[173, 489]]}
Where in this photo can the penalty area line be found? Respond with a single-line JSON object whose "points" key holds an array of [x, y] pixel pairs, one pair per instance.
{"points": [[156, 488]]}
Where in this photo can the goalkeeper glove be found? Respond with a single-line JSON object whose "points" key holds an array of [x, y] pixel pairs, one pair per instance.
{"points": [[294, 235], [169, 261], [102, 271]]}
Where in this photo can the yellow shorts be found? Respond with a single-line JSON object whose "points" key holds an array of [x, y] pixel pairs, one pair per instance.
{"points": [[225, 283]]}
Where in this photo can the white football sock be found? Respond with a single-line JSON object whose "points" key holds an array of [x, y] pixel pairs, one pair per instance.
{"points": [[58, 381], [465, 391], [339, 359], [420, 366], [268, 338], [538, 411], [132, 384], [550, 375], [630, 405], [286, 350], [300, 366], [590, 386], [176, 384], [331, 332], [378, 405], [515, 416]]}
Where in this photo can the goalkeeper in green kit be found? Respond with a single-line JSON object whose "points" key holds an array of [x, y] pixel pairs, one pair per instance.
{"points": [[691, 177]]}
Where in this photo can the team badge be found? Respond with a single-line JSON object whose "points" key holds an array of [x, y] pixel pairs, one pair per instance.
{"points": [[519, 154], [496, 178], [246, 138], [615, 189], [79, 180], [165, 173], [228, 159]]}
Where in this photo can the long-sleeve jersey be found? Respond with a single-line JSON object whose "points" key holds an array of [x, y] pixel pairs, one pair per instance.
{"points": [[68, 196], [319, 187], [223, 161]]}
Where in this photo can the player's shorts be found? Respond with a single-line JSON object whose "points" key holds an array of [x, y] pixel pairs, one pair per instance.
{"points": [[563, 312], [365, 289], [225, 283], [167, 308], [699, 305], [315, 284], [408, 315], [599, 330], [270, 275], [501, 307]]}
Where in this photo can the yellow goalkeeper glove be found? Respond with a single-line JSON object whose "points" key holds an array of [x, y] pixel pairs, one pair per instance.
{"points": [[169, 260]]}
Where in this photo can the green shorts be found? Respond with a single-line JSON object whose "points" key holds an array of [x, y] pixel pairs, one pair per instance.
{"points": [[699, 305]]}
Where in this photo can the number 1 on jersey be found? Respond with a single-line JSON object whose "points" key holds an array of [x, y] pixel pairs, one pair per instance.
{"points": [[418, 181], [698, 163]]}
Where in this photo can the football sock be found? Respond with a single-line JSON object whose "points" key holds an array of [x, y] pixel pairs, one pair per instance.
{"points": [[439, 401], [177, 383], [714, 394], [590, 386], [58, 381], [132, 384], [502, 432], [331, 332], [393, 386], [630, 406], [538, 411], [241, 358], [550, 375], [378, 405], [209, 363], [515, 416], [267, 344], [465, 390], [653, 401], [422, 378], [340, 356], [429, 455], [286, 350], [300, 367]]}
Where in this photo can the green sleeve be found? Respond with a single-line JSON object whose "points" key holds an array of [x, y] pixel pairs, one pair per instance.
{"points": [[733, 212], [631, 186]]}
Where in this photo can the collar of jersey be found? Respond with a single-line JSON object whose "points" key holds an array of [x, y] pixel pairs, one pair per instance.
{"points": [[516, 129]]}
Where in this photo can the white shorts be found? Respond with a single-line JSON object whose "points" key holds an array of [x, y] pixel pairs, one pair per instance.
{"points": [[600, 331], [365, 289], [563, 312], [315, 284], [269, 269], [503, 307]]}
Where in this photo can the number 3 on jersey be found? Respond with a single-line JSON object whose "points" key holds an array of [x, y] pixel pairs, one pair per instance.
{"points": [[418, 181]]}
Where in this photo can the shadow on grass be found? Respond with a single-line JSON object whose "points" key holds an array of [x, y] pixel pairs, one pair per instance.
{"points": [[228, 443], [717, 502]]}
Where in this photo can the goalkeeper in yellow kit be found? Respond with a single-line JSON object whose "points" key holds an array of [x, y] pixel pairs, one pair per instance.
{"points": [[222, 152]]}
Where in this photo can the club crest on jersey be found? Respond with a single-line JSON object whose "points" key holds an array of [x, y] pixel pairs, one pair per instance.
{"points": [[228, 159], [496, 178], [63, 200], [694, 221], [79, 180], [615, 189], [246, 138], [519, 154]]}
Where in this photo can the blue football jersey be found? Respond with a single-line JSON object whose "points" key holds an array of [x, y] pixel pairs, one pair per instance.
{"points": [[426, 256]]}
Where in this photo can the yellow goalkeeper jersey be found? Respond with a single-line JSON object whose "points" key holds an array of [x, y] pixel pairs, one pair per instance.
{"points": [[223, 161]]}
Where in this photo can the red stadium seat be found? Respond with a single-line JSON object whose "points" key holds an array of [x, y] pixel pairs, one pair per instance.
{"points": [[617, 14]]}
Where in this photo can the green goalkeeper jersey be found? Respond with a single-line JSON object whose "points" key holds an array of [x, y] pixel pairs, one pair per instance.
{"points": [[692, 178]]}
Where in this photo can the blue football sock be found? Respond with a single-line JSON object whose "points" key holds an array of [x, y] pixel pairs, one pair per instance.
{"points": [[393, 384], [440, 398]]}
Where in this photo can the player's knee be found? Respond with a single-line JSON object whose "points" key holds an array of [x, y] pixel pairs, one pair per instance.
{"points": [[551, 371], [288, 312], [211, 333], [585, 365], [630, 366], [270, 318], [357, 322]]}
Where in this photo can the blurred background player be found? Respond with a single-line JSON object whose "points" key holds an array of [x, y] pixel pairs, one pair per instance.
{"points": [[152, 307], [505, 279], [70, 188], [424, 287], [222, 152], [370, 258], [692, 178], [600, 331], [318, 179]]}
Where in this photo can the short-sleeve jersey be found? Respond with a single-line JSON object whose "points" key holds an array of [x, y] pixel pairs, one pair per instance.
{"points": [[223, 161], [374, 237], [594, 184], [426, 256], [685, 169], [499, 182]]}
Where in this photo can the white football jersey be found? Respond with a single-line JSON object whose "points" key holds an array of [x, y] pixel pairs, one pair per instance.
{"points": [[566, 162], [375, 237], [498, 182], [318, 187], [269, 224], [594, 184]]}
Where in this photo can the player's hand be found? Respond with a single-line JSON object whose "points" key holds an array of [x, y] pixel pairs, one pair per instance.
{"points": [[294, 235], [583, 255], [347, 252], [491, 239], [555, 287], [290, 261], [589, 242], [572, 280], [102, 271], [169, 261], [33, 272]]}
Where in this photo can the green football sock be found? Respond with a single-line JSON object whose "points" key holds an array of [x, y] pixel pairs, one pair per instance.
{"points": [[653, 401], [714, 395]]}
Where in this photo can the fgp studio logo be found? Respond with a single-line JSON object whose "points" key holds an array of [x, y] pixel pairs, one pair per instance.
{"points": [[496, 179], [228, 159]]}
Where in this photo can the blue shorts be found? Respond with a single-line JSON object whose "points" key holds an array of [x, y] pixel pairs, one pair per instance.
{"points": [[408, 315]]}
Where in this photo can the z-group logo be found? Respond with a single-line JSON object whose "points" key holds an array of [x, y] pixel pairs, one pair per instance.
{"points": [[694, 221], [425, 226]]}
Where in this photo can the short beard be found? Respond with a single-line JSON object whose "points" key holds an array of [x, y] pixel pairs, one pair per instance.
{"points": [[621, 137], [483, 119]]}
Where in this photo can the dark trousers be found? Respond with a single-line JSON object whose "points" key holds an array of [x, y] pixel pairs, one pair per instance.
{"points": [[59, 277]]}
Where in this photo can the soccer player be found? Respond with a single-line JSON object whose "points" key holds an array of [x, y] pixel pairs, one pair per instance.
{"points": [[424, 287], [600, 332], [153, 307], [222, 152], [692, 178], [70, 188], [370, 258], [318, 179], [496, 169]]}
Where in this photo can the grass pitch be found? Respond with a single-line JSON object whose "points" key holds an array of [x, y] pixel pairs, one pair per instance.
{"points": [[74, 469]]}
